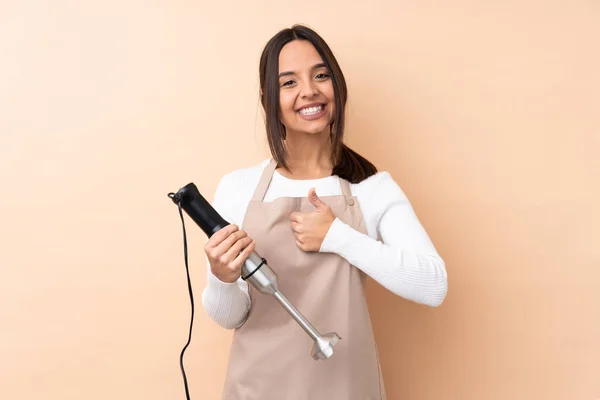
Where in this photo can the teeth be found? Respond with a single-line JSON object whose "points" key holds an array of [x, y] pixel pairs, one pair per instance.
{"points": [[311, 110]]}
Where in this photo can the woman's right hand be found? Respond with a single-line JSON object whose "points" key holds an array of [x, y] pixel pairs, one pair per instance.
{"points": [[227, 250]]}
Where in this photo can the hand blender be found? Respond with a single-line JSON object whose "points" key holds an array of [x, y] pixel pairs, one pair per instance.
{"points": [[255, 269]]}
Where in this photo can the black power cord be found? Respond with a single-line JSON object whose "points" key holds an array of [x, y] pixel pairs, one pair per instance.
{"points": [[176, 198]]}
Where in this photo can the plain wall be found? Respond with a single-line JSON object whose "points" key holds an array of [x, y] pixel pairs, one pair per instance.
{"points": [[485, 113]]}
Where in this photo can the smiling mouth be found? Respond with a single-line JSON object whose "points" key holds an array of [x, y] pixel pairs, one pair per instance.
{"points": [[311, 110]]}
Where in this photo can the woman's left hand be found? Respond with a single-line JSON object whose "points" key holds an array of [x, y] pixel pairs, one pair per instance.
{"points": [[311, 228]]}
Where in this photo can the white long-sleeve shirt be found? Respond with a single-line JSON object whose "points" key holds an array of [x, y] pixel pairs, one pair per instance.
{"points": [[396, 252]]}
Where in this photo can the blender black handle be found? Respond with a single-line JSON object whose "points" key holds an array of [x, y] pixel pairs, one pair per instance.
{"points": [[199, 210]]}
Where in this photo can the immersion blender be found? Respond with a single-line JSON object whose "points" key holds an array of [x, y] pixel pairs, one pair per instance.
{"points": [[255, 269]]}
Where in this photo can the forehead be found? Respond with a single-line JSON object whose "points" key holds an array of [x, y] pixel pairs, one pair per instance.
{"points": [[297, 55]]}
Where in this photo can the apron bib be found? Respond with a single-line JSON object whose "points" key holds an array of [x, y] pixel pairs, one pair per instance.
{"points": [[270, 353]]}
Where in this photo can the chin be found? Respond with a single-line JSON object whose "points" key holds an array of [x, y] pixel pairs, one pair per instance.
{"points": [[313, 130]]}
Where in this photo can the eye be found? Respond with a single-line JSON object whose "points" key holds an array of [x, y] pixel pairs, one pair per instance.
{"points": [[287, 83], [322, 75]]}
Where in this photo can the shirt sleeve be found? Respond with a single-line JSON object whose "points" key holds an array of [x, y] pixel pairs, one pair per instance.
{"points": [[227, 304], [404, 259]]}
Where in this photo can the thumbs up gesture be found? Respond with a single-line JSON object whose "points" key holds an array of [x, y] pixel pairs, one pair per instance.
{"points": [[311, 228]]}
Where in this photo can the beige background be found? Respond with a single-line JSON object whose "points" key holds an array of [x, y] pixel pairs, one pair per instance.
{"points": [[486, 114]]}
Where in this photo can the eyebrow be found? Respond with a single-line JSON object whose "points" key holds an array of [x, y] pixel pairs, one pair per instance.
{"points": [[316, 66]]}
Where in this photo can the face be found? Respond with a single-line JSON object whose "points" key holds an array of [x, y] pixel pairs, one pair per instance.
{"points": [[306, 97]]}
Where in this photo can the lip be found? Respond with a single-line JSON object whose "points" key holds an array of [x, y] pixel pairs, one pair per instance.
{"points": [[313, 116]]}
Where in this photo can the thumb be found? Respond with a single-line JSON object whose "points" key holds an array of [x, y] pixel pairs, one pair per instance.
{"points": [[315, 200]]}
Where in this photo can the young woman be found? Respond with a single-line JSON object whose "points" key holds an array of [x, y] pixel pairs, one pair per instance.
{"points": [[325, 219]]}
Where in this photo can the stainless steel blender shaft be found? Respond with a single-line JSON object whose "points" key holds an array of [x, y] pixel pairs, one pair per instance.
{"points": [[263, 278], [312, 332]]}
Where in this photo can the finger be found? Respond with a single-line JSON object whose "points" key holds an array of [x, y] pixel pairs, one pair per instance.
{"points": [[244, 254], [237, 248], [314, 199], [247, 250], [296, 227], [217, 238], [296, 217], [224, 246]]}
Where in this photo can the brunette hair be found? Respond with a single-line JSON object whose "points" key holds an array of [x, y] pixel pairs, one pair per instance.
{"points": [[348, 164]]}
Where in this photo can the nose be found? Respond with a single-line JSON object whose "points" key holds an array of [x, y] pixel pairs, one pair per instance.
{"points": [[308, 88]]}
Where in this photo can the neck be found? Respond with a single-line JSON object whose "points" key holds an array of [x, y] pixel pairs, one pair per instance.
{"points": [[308, 156]]}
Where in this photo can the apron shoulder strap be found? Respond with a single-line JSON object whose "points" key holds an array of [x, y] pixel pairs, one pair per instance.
{"points": [[346, 191], [263, 183]]}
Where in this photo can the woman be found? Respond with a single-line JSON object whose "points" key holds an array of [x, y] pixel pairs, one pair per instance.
{"points": [[325, 219]]}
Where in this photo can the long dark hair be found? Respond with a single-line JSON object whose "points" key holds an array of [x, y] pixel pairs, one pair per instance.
{"points": [[348, 164]]}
